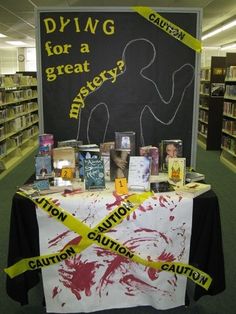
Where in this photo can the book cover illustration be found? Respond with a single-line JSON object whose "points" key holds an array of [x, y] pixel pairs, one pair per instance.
{"points": [[105, 155], [43, 166], [63, 157], [125, 140], [119, 163], [85, 152], [94, 175], [139, 173], [177, 171], [153, 152], [170, 149]]}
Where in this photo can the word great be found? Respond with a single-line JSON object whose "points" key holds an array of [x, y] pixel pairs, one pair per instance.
{"points": [[51, 25], [53, 72], [91, 86]]}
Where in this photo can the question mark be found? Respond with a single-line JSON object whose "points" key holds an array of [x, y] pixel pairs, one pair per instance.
{"points": [[120, 65]]}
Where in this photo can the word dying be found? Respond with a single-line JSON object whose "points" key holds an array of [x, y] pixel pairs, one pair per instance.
{"points": [[51, 25], [91, 86]]}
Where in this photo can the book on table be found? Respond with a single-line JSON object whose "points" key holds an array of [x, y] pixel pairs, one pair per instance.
{"points": [[87, 151], [193, 188], [43, 166], [139, 173], [94, 174], [153, 152], [119, 163], [125, 140], [170, 149], [177, 171]]}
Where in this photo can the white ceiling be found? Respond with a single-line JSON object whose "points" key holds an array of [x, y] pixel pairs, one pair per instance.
{"points": [[17, 20]]}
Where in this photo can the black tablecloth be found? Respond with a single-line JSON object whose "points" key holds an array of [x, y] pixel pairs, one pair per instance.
{"points": [[206, 252]]}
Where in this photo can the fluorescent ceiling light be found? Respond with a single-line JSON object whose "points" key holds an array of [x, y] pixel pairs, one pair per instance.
{"points": [[2, 36], [219, 30], [16, 43], [211, 47], [229, 46]]}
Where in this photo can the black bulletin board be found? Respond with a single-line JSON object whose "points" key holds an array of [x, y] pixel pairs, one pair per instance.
{"points": [[103, 71]]}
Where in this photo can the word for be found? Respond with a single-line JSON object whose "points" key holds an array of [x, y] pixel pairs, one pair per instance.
{"points": [[187, 271], [53, 72], [56, 49], [110, 244], [41, 262], [91, 86], [174, 31], [51, 25]]}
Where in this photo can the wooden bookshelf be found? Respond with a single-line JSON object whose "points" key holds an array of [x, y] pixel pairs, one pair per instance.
{"points": [[211, 104], [19, 120], [228, 138]]}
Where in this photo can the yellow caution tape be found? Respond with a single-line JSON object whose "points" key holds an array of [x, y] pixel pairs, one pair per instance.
{"points": [[169, 27], [96, 236]]}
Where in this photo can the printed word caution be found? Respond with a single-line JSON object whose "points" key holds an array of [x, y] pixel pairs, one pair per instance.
{"points": [[41, 262]]}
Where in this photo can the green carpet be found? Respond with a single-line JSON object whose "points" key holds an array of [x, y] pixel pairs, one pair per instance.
{"points": [[223, 182]]}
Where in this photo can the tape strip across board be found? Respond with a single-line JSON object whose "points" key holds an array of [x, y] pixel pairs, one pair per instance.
{"points": [[97, 236], [169, 27]]}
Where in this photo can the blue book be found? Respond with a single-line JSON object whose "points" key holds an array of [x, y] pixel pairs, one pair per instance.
{"points": [[43, 166], [94, 174]]}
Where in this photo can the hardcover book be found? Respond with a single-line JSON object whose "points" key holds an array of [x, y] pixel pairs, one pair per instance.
{"points": [[177, 171], [85, 152], [119, 163], [94, 176], [139, 173], [125, 140], [170, 149], [153, 152], [43, 166], [63, 157], [105, 156]]}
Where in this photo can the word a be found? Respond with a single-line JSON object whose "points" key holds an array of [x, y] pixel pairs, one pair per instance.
{"points": [[91, 86]]}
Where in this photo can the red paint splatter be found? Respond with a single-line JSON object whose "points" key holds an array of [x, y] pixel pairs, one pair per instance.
{"points": [[80, 277], [118, 200], [132, 281], [55, 240], [55, 292]]}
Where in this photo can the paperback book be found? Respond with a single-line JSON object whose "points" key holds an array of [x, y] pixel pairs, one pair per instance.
{"points": [[43, 166], [119, 163], [193, 176], [177, 171], [194, 188], [94, 175], [170, 149], [139, 173]]}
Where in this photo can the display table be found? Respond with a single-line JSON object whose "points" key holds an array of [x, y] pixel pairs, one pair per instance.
{"points": [[206, 251]]}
